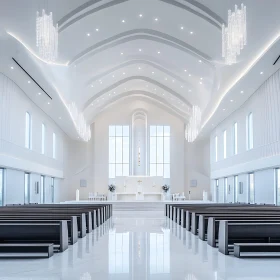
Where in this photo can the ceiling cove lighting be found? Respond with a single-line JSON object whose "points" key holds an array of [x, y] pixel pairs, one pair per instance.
{"points": [[194, 126], [46, 36], [234, 36]]}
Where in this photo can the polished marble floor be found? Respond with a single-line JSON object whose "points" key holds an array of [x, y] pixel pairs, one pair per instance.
{"points": [[140, 245]]}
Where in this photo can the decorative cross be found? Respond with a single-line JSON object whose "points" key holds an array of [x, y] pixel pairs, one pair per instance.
{"points": [[139, 181]]}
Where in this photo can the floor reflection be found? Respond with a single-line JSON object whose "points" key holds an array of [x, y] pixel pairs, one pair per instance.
{"points": [[144, 246]]}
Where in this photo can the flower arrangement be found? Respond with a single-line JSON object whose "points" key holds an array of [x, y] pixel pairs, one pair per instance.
{"points": [[165, 188], [111, 188]]}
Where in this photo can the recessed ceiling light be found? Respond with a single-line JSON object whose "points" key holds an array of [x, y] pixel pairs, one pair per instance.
{"points": [[182, 27], [182, 86], [200, 83], [173, 81], [114, 92], [147, 85], [28, 82], [121, 53], [88, 34], [158, 52], [201, 78], [60, 118], [190, 90], [91, 104], [91, 85], [185, 70], [231, 100], [113, 76], [224, 109], [241, 91], [261, 73], [156, 19], [123, 73], [165, 79], [140, 15], [123, 21], [199, 61], [39, 93], [155, 89], [139, 68], [212, 124], [12, 67], [100, 81], [97, 29], [153, 72], [140, 50], [49, 103], [191, 32], [190, 75], [125, 88]]}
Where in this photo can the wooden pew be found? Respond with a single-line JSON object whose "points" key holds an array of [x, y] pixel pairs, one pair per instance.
{"points": [[230, 233], [35, 233], [256, 249], [26, 250]]}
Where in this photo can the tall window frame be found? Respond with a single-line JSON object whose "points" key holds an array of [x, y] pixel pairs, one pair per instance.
{"points": [[43, 139], [26, 188], [28, 131], [234, 138], [42, 189], [160, 150], [52, 189], [251, 181], [225, 189], [236, 189], [119, 150], [2, 187], [250, 132], [54, 145], [217, 189], [225, 143], [216, 148]]}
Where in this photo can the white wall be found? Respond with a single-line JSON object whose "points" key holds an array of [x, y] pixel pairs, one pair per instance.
{"points": [[90, 160], [14, 157], [265, 155]]}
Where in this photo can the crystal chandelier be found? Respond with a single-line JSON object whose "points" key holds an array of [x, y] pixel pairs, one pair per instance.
{"points": [[46, 37], [194, 125], [234, 37], [81, 125]]}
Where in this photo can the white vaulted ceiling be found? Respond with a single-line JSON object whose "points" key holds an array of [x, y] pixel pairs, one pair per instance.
{"points": [[166, 50]]}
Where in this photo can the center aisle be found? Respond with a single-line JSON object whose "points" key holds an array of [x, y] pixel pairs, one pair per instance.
{"points": [[140, 245]]}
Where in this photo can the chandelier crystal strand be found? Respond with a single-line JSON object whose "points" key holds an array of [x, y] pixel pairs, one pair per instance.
{"points": [[234, 36], [46, 37], [194, 125], [81, 125]]}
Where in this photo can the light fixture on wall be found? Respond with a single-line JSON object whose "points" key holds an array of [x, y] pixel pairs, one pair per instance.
{"points": [[46, 36], [194, 125], [234, 36]]}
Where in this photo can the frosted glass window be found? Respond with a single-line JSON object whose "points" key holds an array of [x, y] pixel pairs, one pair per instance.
{"points": [[1, 186], [119, 151], [225, 144], [235, 139], [235, 188], [42, 189], [160, 151], [250, 136], [43, 138], [225, 189], [54, 145], [26, 188], [252, 188], [216, 148], [27, 130], [52, 186]]}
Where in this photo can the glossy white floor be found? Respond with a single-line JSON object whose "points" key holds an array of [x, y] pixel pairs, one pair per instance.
{"points": [[140, 245]]}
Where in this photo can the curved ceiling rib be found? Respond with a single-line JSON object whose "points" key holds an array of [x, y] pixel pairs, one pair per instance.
{"points": [[138, 34], [128, 94], [146, 79], [207, 14], [132, 62], [66, 21]]}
